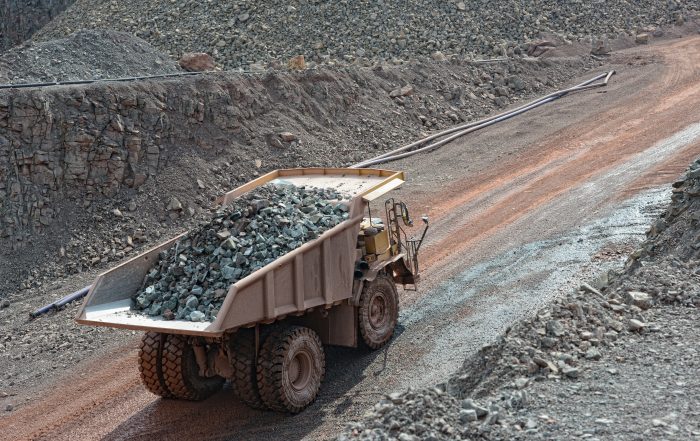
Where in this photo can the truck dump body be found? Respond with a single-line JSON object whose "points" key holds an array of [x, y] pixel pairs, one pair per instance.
{"points": [[317, 274]]}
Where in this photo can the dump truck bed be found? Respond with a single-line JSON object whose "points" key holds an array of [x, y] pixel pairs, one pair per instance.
{"points": [[317, 274]]}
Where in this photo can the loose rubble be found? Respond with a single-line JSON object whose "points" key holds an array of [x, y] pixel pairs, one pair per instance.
{"points": [[560, 350], [248, 32], [85, 55], [191, 279]]}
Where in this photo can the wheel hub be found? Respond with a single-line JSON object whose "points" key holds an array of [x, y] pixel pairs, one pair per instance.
{"points": [[377, 311], [299, 370]]}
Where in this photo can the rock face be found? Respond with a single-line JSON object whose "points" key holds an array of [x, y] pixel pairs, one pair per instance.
{"points": [[19, 19], [93, 142], [248, 32], [191, 279]]}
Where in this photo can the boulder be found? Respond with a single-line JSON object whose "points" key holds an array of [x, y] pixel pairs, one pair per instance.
{"points": [[197, 62], [297, 63], [642, 38]]}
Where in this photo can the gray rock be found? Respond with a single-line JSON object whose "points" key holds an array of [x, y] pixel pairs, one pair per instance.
{"points": [[174, 204], [467, 415], [642, 38], [593, 354], [636, 325], [555, 328], [639, 299], [197, 316], [288, 136], [570, 371], [469, 404], [588, 288]]}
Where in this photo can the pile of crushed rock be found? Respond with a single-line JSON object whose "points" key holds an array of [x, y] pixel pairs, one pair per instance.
{"points": [[85, 55], [192, 278], [562, 342], [677, 231], [246, 32]]}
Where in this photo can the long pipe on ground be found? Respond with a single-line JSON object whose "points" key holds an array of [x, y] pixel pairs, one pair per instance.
{"points": [[62, 302], [397, 154], [170, 75], [98, 80], [474, 126]]}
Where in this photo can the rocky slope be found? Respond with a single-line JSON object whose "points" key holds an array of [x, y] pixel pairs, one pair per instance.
{"points": [[19, 19], [84, 55], [576, 369], [245, 32], [70, 156]]}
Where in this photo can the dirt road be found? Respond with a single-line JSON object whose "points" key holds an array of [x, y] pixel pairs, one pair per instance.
{"points": [[516, 210]]}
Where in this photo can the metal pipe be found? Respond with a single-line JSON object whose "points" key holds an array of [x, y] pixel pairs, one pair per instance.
{"points": [[61, 302], [392, 155], [97, 80]]}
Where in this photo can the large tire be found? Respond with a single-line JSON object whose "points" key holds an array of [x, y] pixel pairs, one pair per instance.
{"points": [[378, 312], [291, 366], [242, 357], [150, 363], [181, 371]]}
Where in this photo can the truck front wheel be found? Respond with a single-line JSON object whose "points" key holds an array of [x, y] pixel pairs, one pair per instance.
{"points": [[181, 371], [378, 312], [291, 366]]}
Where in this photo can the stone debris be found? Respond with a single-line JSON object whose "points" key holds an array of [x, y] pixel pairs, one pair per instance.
{"points": [[564, 342], [191, 279], [85, 55], [249, 32]]}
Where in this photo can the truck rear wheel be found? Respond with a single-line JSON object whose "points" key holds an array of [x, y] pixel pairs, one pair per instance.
{"points": [[291, 366], [242, 357], [181, 371], [378, 312], [150, 358]]}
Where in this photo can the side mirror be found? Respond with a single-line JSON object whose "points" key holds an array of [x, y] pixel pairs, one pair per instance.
{"points": [[424, 218]]}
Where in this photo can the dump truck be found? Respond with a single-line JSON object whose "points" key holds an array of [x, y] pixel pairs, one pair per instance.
{"points": [[268, 337]]}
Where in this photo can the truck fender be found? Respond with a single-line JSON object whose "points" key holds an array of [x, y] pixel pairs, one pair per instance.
{"points": [[370, 275]]}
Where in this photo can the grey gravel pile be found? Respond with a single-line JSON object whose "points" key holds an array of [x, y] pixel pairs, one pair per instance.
{"points": [[85, 55], [562, 343], [248, 31], [191, 279]]}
